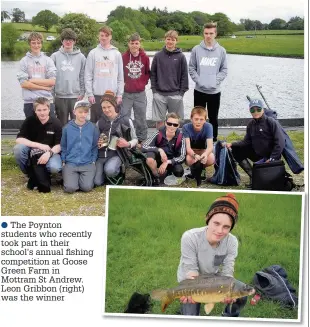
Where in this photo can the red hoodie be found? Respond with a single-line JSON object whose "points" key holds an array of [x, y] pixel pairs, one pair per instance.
{"points": [[136, 71]]}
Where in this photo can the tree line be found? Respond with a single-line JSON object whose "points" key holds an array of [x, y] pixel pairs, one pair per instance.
{"points": [[152, 23]]}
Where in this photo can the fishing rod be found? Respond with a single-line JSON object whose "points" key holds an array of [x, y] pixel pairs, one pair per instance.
{"points": [[260, 92]]}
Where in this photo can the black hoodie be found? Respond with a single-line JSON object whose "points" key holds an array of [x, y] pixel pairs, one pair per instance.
{"points": [[169, 74]]}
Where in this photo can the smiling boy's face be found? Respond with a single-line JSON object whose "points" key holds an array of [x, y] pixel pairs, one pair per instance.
{"points": [[81, 114]]}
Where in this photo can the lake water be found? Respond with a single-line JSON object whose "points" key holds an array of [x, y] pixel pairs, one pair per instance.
{"points": [[282, 81]]}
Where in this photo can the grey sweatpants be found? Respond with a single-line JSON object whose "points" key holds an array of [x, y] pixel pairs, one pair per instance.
{"points": [[78, 177], [166, 103], [64, 107], [138, 102], [110, 167]]}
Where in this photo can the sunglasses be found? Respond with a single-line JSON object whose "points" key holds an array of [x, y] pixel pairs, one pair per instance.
{"points": [[253, 109], [172, 124]]}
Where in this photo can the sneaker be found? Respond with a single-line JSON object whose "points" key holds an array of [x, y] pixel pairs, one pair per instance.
{"points": [[204, 176], [156, 181], [31, 185]]}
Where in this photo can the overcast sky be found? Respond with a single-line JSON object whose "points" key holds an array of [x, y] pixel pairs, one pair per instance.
{"points": [[263, 10]]}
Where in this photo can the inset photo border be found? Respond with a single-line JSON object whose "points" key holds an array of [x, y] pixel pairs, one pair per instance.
{"points": [[144, 249]]}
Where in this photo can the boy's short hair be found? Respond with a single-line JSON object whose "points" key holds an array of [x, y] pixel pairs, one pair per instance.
{"points": [[69, 34], [134, 37], [106, 29], [210, 25], [173, 34], [201, 111], [35, 36], [173, 115], [41, 100], [82, 104]]}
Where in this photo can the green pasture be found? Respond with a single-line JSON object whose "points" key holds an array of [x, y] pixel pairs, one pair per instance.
{"points": [[145, 229], [17, 200], [26, 27], [265, 45], [269, 32]]}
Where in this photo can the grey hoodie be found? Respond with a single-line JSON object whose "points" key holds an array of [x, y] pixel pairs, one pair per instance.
{"points": [[70, 73], [104, 71], [39, 66], [208, 67]]}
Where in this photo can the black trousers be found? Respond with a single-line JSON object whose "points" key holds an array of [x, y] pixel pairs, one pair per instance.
{"points": [[212, 102], [177, 170], [244, 152]]}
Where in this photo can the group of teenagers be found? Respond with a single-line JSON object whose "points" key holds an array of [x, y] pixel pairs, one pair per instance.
{"points": [[108, 85]]}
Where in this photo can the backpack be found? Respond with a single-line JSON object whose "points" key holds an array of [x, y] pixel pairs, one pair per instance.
{"points": [[272, 283], [271, 176], [225, 167], [177, 143]]}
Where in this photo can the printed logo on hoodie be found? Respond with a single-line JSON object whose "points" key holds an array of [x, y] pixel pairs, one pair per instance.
{"points": [[207, 61], [104, 68], [134, 69], [66, 65]]}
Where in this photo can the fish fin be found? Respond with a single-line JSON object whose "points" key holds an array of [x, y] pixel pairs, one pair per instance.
{"points": [[165, 302], [158, 294], [209, 307]]}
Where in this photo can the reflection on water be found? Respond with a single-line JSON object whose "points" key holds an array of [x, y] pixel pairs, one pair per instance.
{"points": [[281, 78]]}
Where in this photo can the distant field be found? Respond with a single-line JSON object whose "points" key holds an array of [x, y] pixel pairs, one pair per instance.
{"points": [[29, 28], [266, 45], [270, 32]]}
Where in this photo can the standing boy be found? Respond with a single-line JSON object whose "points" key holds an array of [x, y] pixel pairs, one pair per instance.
{"points": [[79, 151], [103, 71], [208, 69], [169, 80], [136, 75], [36, 75], [70, 64]]}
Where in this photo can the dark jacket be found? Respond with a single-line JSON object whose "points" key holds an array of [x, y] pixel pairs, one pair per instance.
{"points": [[121, 126], [265, 137], [136, 71], [169, 75], [175, 154], [273, 284]]}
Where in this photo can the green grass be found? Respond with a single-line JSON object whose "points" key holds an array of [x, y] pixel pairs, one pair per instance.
{"points": [[270, 32], [265, 45], [144, 235], [26, 27], [18, 201]]}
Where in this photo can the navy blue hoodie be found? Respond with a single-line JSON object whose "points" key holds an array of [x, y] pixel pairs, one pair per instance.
{"points": [[169, 75]]}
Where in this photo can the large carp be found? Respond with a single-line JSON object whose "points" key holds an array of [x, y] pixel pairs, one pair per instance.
{"points": [[209, 289]]}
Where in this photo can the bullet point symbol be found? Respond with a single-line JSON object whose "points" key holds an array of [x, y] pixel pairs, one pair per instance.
{"points": [[4, 225]]}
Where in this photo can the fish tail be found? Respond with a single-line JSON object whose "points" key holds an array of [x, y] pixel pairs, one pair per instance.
{"points": [[162, 295]]}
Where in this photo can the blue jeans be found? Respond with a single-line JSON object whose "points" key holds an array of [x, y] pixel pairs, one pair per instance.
{"points": [[109, 167], [21, 154], [29, 111]]}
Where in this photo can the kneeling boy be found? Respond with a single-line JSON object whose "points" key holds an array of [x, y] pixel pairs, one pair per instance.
{"points": [[199, 143], [79, 151]]}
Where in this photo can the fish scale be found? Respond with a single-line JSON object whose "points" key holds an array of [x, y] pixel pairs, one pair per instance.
{"points": [[207, 289]]}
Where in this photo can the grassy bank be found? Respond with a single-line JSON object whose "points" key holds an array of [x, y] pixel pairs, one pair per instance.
{"points": [[18, 201], [26, 27], [264, 45], [270, 32], [268, 231]]}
